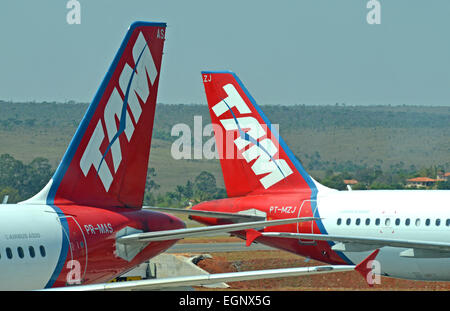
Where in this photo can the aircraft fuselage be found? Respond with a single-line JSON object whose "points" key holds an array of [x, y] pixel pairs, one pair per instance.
{"points": [[44, 246], [391, 214]]}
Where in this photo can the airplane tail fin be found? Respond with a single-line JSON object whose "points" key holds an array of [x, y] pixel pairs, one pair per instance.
{"points": [[107, 159], [254, 158]]}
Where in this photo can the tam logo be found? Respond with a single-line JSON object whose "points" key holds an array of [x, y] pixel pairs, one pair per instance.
{"points": [[133, 84], [263, 150]]}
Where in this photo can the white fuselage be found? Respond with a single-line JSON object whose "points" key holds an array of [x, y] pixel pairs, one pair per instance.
{"points": [[414, 215], [31, 239]]}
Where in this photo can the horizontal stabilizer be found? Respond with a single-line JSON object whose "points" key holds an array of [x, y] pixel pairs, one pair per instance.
{"points": [[202, 231], [236, 217], [251, 235]]}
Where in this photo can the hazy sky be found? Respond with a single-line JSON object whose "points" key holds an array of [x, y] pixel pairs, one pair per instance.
{"points": [[285, 52]]}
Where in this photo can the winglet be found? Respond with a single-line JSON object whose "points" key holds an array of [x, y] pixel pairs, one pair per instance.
{"points": [[365, 267], [251, 235]]}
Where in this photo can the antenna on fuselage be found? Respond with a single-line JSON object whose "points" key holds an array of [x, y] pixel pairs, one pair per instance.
{"points": [[5, 199]]}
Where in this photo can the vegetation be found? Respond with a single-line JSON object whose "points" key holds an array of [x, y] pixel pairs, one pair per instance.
{"points": [[21, 181], [375, 179], [203, 188], [380, 146]]}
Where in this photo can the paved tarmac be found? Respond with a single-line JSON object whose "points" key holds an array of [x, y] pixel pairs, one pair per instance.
{"points": [[216, 247]]}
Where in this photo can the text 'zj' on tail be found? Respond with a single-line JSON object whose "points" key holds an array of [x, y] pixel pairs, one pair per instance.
{"points": [[253, 157], [107, 159]]}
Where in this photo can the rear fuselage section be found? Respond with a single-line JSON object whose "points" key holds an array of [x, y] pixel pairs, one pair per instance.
{"points": [[405, 215], [43, 246]]}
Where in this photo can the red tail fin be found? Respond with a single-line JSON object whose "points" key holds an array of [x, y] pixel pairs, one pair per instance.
{"points": [[252, 155], [106, 162]]}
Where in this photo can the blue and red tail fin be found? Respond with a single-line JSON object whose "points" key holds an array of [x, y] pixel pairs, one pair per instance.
{"points": [[254, 158], [107, 159]]}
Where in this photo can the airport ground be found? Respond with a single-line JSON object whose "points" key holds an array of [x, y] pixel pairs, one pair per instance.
{"points": [[258, 258], [229, 254]]}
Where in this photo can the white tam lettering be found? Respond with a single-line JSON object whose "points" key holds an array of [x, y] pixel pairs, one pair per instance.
{"points": [[114, 108], [138, 89], [137, 85], [278, 169], [92, 157], [265, 163], [133, 102], [233, 100], [266, 148], [255, 131], [146, 62]]}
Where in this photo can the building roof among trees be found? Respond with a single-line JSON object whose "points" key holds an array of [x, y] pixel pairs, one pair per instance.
{"points": [[422, 179]]}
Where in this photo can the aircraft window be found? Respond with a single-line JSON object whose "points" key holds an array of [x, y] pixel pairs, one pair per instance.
{"points": [[367, 221], [418, 222], [348, 222], [377, 221], [42, 250], [20, 252], [387, 222], [438, 222], [407, 221], [358, 221], [9, 253], [447, 222], [397, 221], [31, 251], [339, 221], [427, 222]]}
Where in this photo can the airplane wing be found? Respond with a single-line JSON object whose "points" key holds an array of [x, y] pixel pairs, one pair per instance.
{"points": [[415, 248], [236, 217], [363, 268], [202, 231]]}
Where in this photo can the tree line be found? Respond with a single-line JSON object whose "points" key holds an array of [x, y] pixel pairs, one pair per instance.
{"points": [[376, 179], [202, 188], [21, 181], [45, 114]]}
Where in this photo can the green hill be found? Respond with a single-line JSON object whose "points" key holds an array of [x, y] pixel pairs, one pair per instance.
{"points": [[323, 137]]}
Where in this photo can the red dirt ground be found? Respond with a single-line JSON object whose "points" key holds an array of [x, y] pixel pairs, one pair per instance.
{"points": [[258, 260]]}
